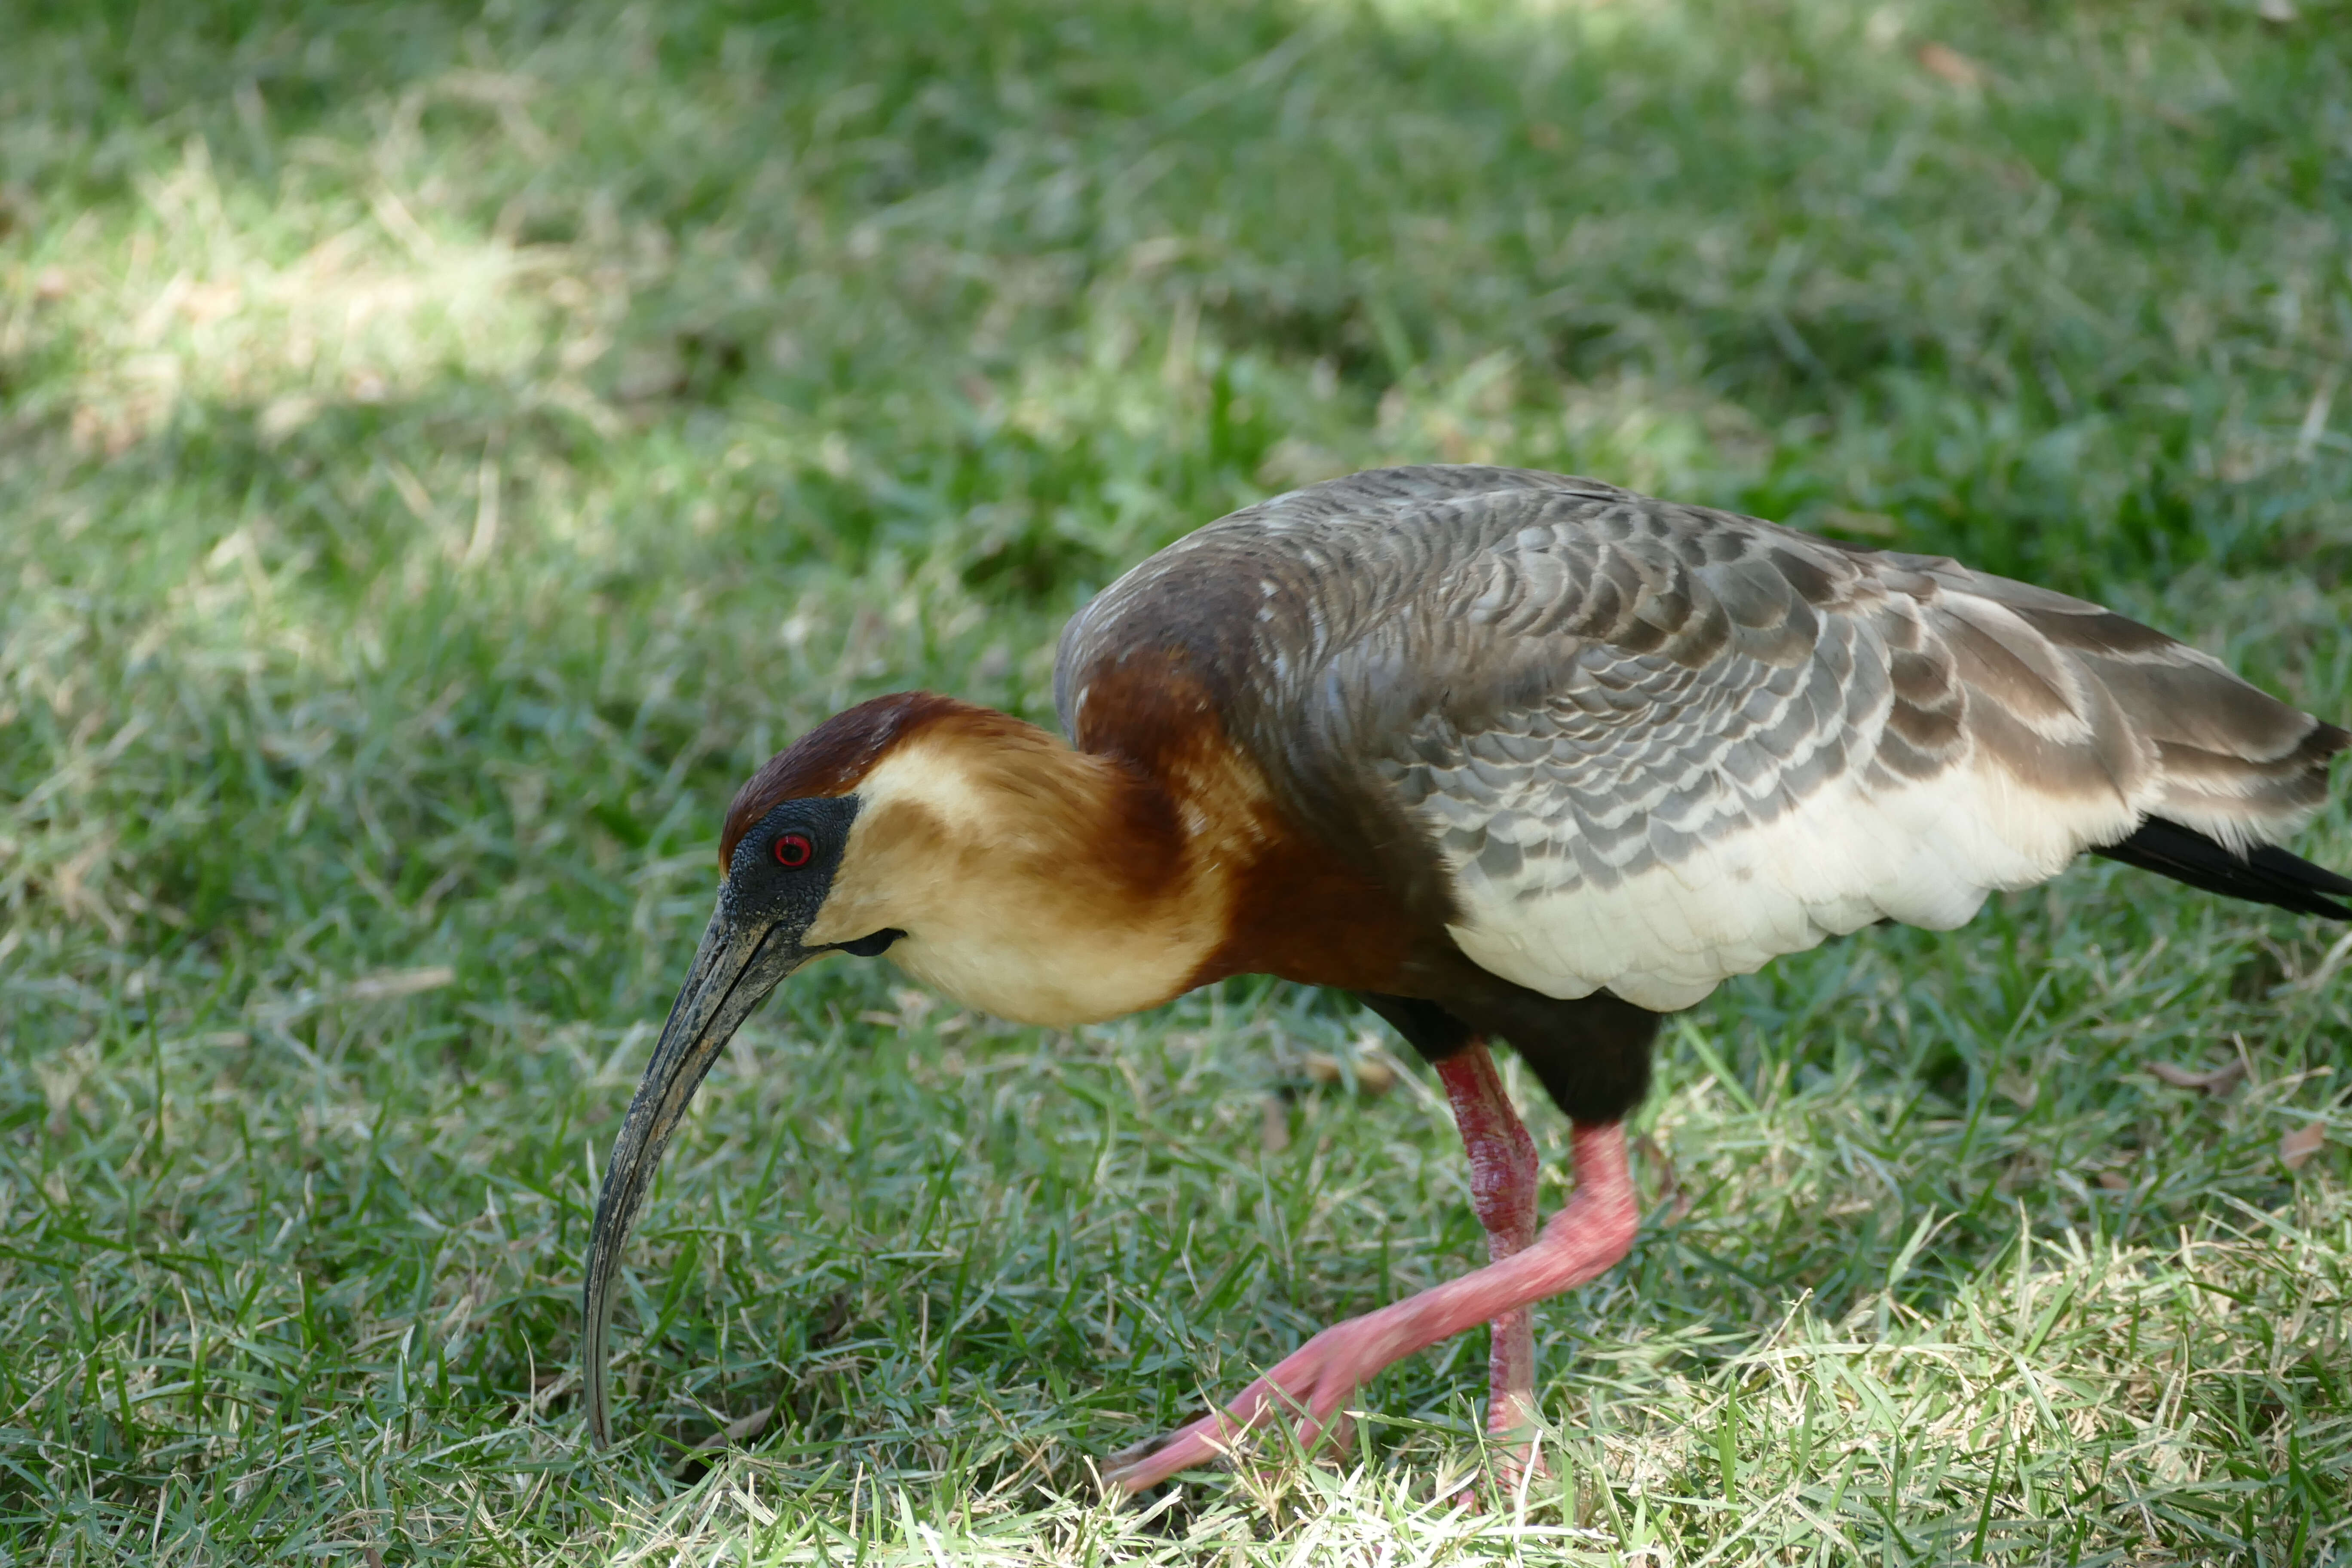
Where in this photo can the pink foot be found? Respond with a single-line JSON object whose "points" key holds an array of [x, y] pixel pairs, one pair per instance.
{"points": [[1511, 1418], [1305, 1392], [1311, 1386]]}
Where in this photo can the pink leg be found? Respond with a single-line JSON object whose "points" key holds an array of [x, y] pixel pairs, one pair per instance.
{"points": [[1583, 1239], [1503, 1173]]}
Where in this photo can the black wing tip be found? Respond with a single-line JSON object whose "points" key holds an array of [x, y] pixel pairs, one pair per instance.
{"points": [[2266, 875]]}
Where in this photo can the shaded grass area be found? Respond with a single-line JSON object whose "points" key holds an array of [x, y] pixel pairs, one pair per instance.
{"points": [[442, 450]]}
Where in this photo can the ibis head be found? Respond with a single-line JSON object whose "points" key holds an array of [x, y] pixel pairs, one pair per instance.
{"points": [[986, 856], [776, 882]]}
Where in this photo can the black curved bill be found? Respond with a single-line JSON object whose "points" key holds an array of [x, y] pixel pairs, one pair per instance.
{"points": [[738, 965]]}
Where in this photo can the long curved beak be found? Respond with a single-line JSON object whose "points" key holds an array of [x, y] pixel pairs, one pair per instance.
{"points": [[739, 963]]}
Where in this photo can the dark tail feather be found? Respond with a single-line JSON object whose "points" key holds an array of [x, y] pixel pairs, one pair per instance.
{"points": [[2268, 875]]}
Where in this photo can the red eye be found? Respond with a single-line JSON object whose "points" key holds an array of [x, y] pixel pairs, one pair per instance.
{"points": [[793, 851]]}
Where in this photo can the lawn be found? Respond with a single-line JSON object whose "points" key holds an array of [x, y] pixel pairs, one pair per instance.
{"points": [[442, 451]]}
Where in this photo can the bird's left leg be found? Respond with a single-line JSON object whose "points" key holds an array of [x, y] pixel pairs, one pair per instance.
{"points": [[1314, 1381]]}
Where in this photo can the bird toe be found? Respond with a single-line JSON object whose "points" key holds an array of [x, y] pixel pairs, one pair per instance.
{"points": [[1302, 1395]]}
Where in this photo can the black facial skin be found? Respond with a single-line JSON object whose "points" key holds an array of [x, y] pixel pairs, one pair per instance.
{"points": [[761, 892], [753, 940]]}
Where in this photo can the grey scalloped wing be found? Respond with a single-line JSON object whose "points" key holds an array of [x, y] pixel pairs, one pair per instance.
{"points": [[1613, 742]]}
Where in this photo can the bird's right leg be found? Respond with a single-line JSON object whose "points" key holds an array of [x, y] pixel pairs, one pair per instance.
{"points": [[1503, 1175], [1314, 1381]]}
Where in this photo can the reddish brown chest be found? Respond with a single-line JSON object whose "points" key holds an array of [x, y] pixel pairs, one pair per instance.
{"points": [[1292, 905], [1298, 914]]}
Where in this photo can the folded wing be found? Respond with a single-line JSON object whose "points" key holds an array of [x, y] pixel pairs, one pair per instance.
{"points": [[1652, 747]]}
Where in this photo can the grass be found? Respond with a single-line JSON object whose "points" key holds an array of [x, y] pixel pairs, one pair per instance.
{"points": [[442, 450]]}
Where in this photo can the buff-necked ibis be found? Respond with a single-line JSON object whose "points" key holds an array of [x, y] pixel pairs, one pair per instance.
{"points": [[1512, 757]]}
